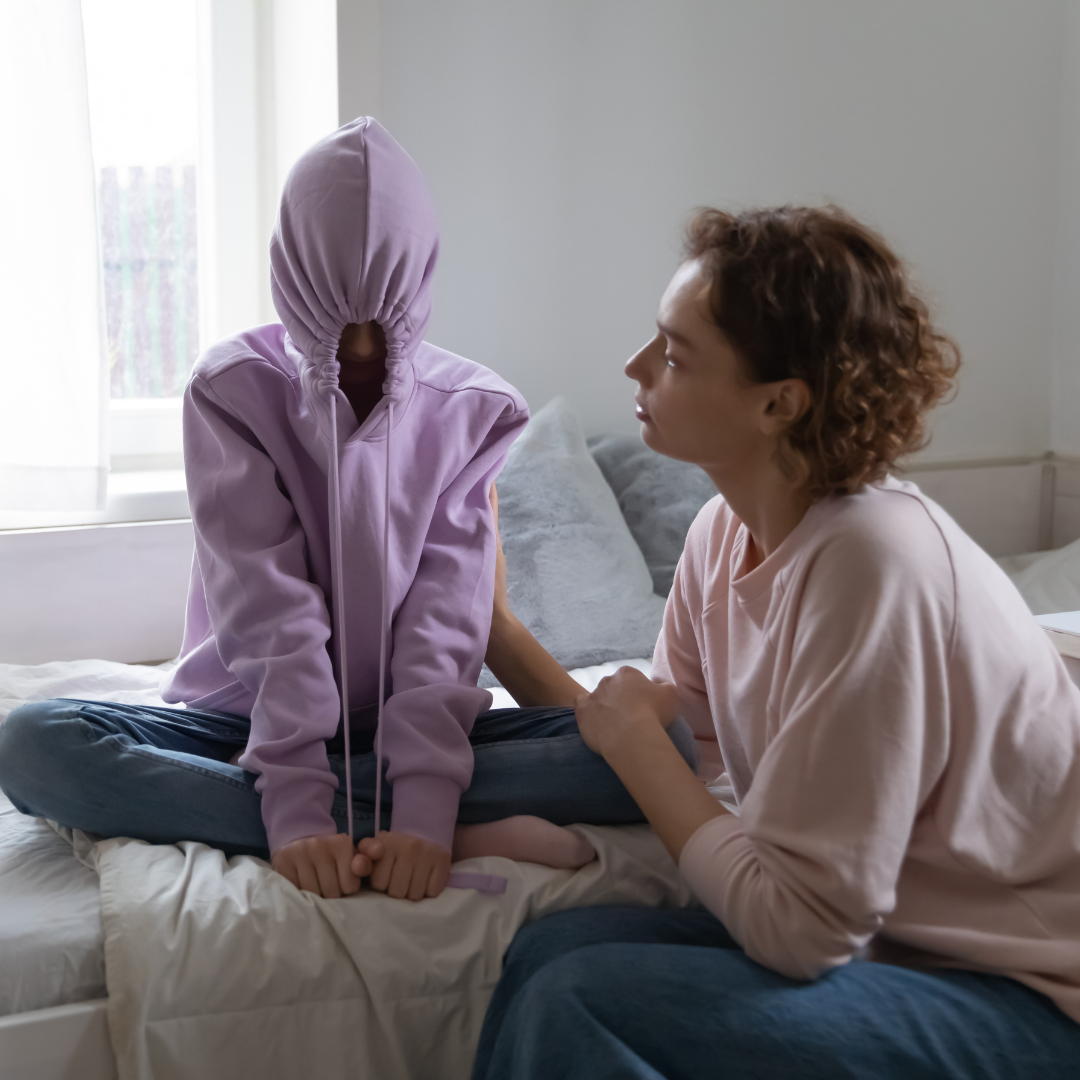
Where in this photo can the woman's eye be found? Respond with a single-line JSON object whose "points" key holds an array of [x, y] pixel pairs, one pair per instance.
{"points": [[670, 361]]}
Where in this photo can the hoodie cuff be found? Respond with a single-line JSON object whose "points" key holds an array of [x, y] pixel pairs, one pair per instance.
{"points": [[295, 813], [426, 806]]}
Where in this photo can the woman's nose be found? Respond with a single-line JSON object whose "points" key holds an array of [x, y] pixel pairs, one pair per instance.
{"points": [[637, 366]]}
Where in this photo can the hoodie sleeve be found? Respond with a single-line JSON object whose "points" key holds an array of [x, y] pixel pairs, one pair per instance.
{"points": [[270, 621], [440, 635]]}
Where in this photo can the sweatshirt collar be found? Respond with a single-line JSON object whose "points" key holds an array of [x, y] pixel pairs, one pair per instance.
{"points": [[748, 585]]}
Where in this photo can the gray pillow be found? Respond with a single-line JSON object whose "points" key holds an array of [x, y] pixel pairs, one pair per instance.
{"points": [[659, 499], [575, 576]]}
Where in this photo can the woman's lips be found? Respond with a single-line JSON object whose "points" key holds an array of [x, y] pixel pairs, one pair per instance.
{"points": [[641, 414]]}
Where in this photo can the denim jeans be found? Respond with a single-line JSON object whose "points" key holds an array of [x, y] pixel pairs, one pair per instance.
{"points": [[163, 775], [605, 992]]}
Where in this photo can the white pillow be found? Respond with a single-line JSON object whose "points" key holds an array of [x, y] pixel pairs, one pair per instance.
{"points": [[1051, 582]]}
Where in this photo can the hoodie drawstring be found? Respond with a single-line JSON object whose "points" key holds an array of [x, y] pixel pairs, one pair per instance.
{"points": [[339, 600], [492, 884], [385, 624], [339, 609]]}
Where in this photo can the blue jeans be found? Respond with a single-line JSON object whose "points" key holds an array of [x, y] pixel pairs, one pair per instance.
{"points": [[605, 992], [163, 775]]}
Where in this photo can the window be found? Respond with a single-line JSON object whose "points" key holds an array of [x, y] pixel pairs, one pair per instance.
{"points": [[142, 76], [142, 69], [196, 110]]}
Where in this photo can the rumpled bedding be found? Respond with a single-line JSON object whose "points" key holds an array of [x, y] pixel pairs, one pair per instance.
{"points": [[51, 945], [219, 968]]}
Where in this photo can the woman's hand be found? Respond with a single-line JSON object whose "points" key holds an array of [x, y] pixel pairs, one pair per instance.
{"points": [[406, 867], [325, 865], [623, 709], [624, 719]]}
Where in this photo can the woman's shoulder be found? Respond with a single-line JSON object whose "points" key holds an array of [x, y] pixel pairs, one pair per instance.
{"points": [[713, 521], [886, 544], [709, 540], [891, 521]]}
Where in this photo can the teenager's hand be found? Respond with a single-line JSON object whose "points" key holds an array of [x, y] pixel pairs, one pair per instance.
{"points": [[623, 707], [407, 867], [325, 865]]}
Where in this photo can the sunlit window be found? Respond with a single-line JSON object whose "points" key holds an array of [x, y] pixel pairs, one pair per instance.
{"points": [[143, 91]]}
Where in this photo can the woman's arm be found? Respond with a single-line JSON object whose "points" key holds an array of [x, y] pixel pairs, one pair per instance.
{"points": [[623, 720], [524, 667]]}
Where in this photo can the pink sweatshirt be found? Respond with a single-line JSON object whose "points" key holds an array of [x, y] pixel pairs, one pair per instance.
{"points": [[901, 739]]}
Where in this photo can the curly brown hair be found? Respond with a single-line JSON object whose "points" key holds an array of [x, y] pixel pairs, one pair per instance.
{"points": [[812, 294]]}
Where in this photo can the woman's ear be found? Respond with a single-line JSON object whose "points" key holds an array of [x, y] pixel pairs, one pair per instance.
{"points": [[787, 402]]}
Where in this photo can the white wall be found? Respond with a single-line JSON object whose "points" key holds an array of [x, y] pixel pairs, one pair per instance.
{"points": [[567, 140], [115, 592], [1066, 356]]}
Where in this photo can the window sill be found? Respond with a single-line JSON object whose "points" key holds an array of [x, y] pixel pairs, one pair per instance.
{"points": [[148, 495]]}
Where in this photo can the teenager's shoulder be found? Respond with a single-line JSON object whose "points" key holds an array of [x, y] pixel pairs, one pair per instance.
{"points": [[263, 346], [442, 372]]}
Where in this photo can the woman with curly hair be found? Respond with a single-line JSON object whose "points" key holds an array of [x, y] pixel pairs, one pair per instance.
{"points": [[887, 838]]}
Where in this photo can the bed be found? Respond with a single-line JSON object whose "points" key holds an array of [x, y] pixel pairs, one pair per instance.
{"points": [[126, 959]]}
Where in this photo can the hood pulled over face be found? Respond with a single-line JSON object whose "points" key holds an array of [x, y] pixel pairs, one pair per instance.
{"points": [[355, 240]]}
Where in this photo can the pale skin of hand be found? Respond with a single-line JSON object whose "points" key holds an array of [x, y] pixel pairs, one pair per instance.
{"points": [[405, 867], [402, 866], [326, 865]]}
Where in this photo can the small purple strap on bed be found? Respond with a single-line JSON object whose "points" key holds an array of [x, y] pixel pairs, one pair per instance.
{"points": [[492, 884]]}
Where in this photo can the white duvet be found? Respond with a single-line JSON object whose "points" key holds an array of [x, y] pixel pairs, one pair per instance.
{"points": [[219, 968]]}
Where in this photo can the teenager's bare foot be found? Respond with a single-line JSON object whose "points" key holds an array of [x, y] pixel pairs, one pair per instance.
{"points": [[526, 839]]}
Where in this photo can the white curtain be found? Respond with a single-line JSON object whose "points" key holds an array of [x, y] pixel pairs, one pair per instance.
{"points": [[53, 363]]}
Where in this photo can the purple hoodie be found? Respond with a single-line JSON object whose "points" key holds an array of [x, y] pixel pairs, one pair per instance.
{"points": [[356, 240]]}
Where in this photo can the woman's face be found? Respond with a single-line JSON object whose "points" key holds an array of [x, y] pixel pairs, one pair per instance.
{"points": [[694, 400]]}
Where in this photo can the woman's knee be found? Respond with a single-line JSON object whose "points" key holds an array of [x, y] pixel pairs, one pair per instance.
{"points": [[635, 1002], [538, 1036], [558, 933]]}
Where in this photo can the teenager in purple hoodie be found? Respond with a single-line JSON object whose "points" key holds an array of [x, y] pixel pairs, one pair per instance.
{"points": [[339, 471]]}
